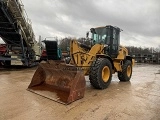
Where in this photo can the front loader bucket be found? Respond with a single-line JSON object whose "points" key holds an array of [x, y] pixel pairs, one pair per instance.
{"points": [[58, 81]]}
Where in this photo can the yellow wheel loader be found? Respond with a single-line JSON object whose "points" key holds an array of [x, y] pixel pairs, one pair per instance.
{"points": [[100, 59]]}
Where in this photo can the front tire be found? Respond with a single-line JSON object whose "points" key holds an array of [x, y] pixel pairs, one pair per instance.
{"points": [[126, 73], [100, 73]]}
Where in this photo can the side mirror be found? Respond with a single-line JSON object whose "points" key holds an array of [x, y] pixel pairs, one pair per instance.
{"points": [[87, 34]]}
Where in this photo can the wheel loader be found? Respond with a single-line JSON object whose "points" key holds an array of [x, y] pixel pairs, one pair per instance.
{"points": [[100, 59]]}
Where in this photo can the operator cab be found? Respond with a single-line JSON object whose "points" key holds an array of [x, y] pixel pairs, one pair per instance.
{"points": [[109, 36]]}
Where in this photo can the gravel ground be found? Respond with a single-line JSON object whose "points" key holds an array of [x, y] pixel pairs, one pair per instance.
{"points": [[137, 99]]}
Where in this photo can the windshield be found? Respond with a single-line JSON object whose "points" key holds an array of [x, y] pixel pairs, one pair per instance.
{"points": [[100, 35]]}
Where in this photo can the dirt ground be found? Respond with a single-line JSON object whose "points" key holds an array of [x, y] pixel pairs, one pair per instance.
{"points": [[138, 99]]}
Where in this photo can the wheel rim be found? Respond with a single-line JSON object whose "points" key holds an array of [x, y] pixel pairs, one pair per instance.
{"points": [[105, 73], [129, 70]]}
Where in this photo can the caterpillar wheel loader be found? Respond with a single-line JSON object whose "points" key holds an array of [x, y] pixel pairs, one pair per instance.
{"points": [[104, 56]]}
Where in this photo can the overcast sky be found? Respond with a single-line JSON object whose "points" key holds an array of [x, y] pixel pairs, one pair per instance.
{"points": [[139, 19]]}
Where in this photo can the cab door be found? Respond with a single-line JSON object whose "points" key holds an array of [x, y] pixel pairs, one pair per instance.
{"points": [[114, 45]]}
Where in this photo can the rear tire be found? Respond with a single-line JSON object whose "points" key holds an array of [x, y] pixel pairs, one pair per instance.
{"points": [[126, 73], [100, 73]]}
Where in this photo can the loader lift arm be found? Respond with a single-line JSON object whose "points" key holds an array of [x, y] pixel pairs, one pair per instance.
{"points": [[82, 58]]}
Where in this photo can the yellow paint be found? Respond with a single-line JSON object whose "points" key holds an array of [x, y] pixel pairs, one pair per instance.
{"points": [[129, 70], [105, 73], [83, 58]]}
